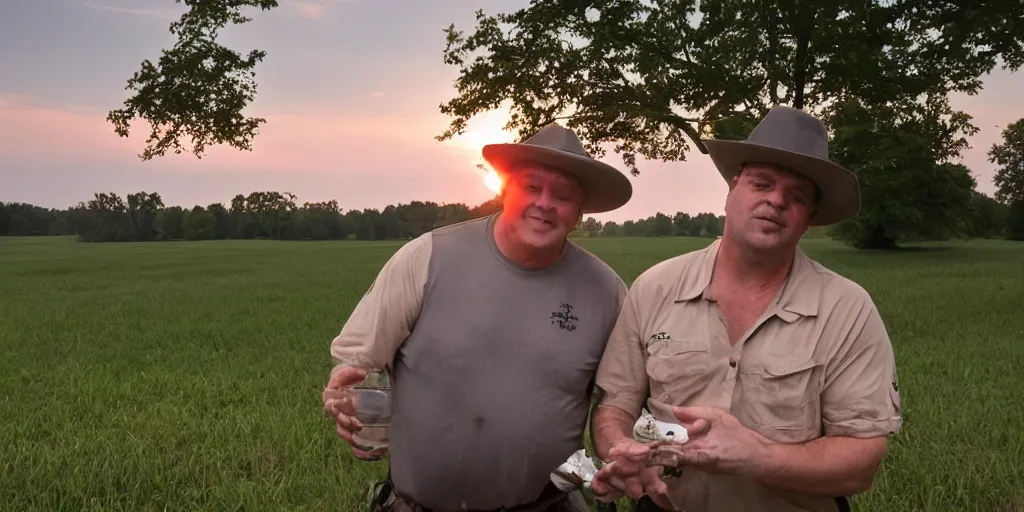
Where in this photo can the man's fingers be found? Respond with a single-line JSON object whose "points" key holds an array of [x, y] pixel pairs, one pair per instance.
{"points": [[698, 428], [634, 488], [692, 414], [653, 483], [602, 489], [343, 376], [344, 433], [697, 420], [368, 455], [629, 450], [348, 423], [622, 469], [605, 486]]}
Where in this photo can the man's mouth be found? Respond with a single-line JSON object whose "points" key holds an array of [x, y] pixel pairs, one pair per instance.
{"points": [[773, 220], [545, 222]]}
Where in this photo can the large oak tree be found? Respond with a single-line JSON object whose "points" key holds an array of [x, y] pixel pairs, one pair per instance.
{"points": [[652, 78]]}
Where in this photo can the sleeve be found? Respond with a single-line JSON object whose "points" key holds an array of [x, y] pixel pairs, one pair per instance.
{"points": [[622, 375], [861, 395], [384, 316]]}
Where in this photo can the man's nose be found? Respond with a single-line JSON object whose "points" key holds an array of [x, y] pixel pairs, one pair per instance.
{"points": [[777, 198], [545, 200]]}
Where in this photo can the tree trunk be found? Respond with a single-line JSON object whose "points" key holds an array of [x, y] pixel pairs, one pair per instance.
{"points": [[800, 63], [875, 238]]}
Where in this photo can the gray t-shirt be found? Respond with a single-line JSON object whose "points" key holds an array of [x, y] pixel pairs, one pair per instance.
{"points": [[492, 363]]}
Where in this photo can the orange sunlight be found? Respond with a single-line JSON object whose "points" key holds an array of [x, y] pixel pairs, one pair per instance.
{"points": [[493, 181], [483, 129]]}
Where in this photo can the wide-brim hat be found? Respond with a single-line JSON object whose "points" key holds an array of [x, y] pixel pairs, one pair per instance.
{"points": [[798, 142], [560, 148]]}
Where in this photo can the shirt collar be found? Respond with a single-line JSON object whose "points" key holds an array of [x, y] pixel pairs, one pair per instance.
{"points": [[800, 294]]}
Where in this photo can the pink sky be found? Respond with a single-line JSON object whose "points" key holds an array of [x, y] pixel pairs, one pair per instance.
{"points": [[340, 122]]}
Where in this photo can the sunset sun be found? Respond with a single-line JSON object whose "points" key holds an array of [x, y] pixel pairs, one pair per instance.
{"points": [[492, 181], [484, 129]]}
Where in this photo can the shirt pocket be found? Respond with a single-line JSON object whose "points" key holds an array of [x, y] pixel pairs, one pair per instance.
{"points": [[678, 370], [783, 398]]}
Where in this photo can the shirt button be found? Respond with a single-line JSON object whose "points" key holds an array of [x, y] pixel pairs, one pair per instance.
{"points": [[732, 362]]}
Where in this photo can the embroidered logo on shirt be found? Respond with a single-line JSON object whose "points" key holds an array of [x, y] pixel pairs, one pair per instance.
{"points": [[564, 318], [660, 336]]}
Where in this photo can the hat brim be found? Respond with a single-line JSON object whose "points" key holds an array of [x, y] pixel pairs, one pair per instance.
{"points": [[839, 188], [606, 188]]}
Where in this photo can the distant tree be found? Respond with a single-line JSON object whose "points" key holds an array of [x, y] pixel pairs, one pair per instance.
{"points": [[990, 217], [1015, 221], [708, 224], [221, 220], [1009, 156], [1009, 178], [105, 218], [611, 228], [903, 155], [661, 225], [170, 223], [142, 212], [489, 207], [22, 219]]}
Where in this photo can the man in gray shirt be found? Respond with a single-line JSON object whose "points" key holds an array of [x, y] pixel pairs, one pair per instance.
{"points": [[492, 330]]}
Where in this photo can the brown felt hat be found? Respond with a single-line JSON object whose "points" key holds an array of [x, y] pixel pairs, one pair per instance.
{"points": [[560, 148], [798, 142]]}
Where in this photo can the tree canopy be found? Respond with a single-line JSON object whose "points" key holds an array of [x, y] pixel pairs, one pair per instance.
{"points": [[197, 89], [649, 79]]}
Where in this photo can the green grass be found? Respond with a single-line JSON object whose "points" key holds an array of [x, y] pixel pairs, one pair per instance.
{"points": [[187, 376]]}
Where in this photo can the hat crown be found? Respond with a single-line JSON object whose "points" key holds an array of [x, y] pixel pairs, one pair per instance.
{"points": [[793, 130], [557, 137]]}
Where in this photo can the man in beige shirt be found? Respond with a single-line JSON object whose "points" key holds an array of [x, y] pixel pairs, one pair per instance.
{"points": [[492, 330], [780, 369]]}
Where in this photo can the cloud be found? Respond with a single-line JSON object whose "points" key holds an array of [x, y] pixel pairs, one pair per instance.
{"points": [[312, 10], [57, 155], [36, 130], [162, 13]]}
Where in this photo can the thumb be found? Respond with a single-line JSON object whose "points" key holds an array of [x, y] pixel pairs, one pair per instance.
{"points": [[694, 413], [696, 419]]}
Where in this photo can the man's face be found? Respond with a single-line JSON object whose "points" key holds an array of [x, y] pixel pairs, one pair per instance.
{"points": [[541, 205], [768, 208]]}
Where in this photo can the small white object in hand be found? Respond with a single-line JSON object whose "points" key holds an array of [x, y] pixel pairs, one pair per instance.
{"points": [[578, 470], [648, 429]]}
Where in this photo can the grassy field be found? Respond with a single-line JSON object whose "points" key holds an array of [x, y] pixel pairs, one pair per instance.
{"points": [[187, 376]]}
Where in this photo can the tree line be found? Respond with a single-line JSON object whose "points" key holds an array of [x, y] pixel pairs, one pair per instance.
{"points": [[143, 216]]}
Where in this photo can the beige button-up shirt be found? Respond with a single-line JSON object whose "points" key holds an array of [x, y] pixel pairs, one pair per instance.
{"points": [[817, 363]]}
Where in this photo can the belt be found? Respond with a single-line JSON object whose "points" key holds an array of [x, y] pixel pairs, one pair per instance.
{"points": [[548, 498]]}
